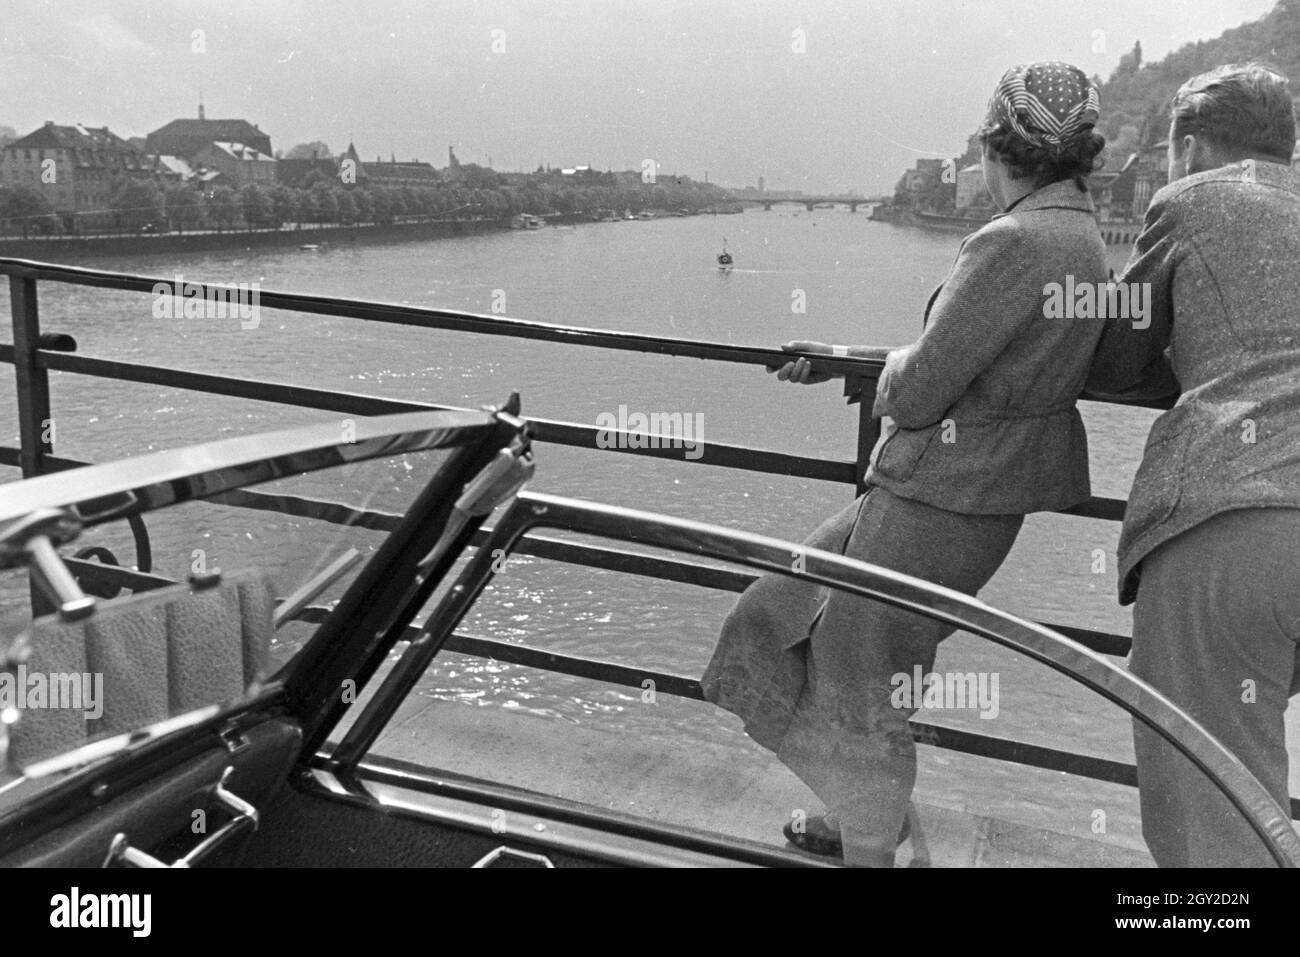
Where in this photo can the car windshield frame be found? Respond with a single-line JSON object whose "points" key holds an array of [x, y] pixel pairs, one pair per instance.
{"points": [[61, 505]]}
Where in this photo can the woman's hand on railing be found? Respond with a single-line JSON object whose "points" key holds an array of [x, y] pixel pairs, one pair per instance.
{"points": [[800, 370]]}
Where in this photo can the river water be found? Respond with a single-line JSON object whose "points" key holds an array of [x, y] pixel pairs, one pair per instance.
{"points": [[859, 282]]}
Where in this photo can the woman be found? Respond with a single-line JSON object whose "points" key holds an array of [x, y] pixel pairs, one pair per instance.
{"points": [[985, 431]]}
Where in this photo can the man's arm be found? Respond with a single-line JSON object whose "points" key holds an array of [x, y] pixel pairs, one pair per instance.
{"points": [[1131, 359], [968, 328]]}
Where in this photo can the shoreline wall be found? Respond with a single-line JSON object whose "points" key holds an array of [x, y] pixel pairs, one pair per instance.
{"points": [[167, 243], [1112, 233]]}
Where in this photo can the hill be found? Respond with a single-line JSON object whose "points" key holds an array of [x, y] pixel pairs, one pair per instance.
{"points": [[1135, 100]]}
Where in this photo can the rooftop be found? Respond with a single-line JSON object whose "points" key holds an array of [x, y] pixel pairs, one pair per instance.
{"points": [[241, 152], [76, 137]]}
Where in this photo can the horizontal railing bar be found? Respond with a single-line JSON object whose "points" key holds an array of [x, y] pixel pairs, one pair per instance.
{"points": [[575, 666], [9, 455], [453, 320], [543, 430]]}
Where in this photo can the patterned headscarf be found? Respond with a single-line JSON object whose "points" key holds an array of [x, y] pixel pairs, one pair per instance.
{"points": [[1046, 104]]}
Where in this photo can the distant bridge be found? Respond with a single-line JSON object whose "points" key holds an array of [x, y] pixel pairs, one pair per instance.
{"points": [[809, 202]]}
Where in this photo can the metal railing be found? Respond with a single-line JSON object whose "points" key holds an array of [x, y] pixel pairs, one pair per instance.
{"points": [[34, 355]]}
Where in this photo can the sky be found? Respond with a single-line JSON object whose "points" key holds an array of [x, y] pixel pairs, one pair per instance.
{"points": [[819, 95]]}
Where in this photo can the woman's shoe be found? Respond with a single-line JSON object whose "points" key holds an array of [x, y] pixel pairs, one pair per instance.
{"points": [[820, 838]]}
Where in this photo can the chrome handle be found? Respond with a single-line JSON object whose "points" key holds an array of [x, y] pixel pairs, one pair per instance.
{"points": [[120, 850]]}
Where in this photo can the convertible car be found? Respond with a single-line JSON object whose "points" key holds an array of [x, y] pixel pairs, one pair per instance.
{"points": [[257, 715]]}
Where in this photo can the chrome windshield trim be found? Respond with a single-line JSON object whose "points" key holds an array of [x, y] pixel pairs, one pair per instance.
{"points": [[537, 828], [116, 490]]}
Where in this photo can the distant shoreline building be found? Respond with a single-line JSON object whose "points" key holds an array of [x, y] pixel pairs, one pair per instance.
{"points": [[972, 191], [238, 163], [392, 173], [349, 169], [75, 168], [186, 137]]}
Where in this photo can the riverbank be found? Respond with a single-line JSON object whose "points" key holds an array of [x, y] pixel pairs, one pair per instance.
{"points": [[1112, 233], [144, 244]]}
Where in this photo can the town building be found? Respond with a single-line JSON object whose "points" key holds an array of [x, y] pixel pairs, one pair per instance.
{"points": [[174, 169], [297, 173], [186, 137], [404, 173], [1109, 206], [76, 168], [915, 179], [348, 168], [1150, 173], [971, 189], [390, 173], [238, 163]]}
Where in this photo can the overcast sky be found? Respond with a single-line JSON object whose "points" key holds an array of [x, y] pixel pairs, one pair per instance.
{"points": [[696, 85]]}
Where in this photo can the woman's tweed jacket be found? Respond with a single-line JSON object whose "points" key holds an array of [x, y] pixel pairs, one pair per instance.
{"points": [[983, 403]]}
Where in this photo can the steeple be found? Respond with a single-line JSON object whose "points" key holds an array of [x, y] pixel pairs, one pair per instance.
{"points": [[201, 116]]}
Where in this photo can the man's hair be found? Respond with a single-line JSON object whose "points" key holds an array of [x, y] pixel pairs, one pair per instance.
{"points": [[1241, 107]]}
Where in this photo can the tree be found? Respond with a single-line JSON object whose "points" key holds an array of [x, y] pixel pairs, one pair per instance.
{"points": [[313, 150], [137, 202], [307, 209], [473, 176], [1122, 146], [365, 205], [7, 135], [347, 207], [383, 209], [24, 207], [222, 208], [327, 204], [284, 204], [514, 204], [315, 176], [255, 205], [396, 202], [183, 205]]}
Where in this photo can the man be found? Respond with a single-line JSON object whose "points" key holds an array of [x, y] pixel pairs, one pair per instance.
{"points": [[1210, 548]]}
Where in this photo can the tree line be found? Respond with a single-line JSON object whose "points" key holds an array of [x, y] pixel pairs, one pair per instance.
{"points": [[136, 204]]}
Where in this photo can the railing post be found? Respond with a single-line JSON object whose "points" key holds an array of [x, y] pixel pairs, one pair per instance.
{"points": [[868, 426], [34, 426]]}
